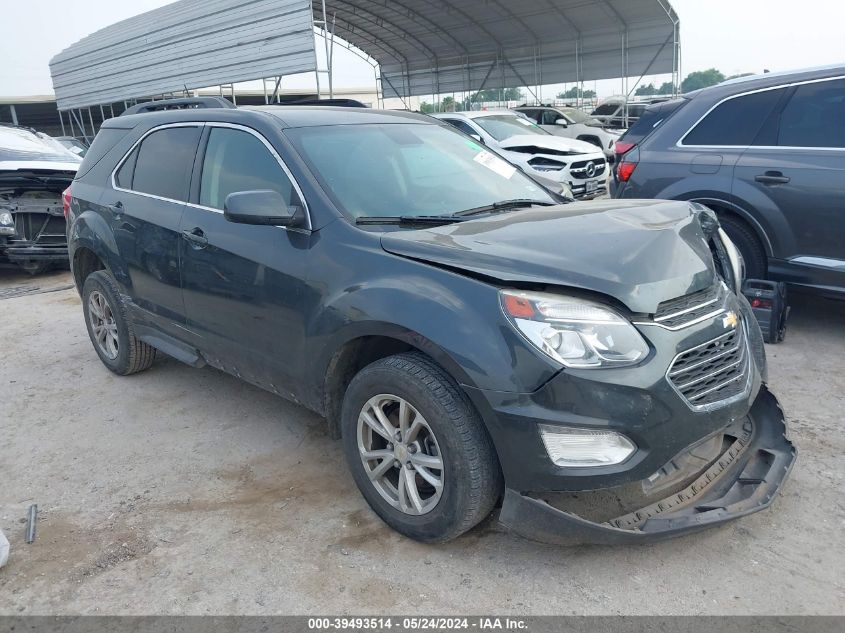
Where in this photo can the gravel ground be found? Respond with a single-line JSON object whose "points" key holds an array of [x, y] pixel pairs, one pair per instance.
{"points": [[184, 491]]}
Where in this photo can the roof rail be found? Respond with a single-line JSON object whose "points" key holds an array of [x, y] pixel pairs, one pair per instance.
{"points": [[187, 103], [337, 103]]}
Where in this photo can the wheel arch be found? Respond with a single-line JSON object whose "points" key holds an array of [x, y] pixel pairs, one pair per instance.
{"points": [[365, 347], [91, 247], [736, 210]]}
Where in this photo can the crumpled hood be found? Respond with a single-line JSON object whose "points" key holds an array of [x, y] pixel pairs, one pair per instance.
{"points": [[641, 252], [557, 143]]}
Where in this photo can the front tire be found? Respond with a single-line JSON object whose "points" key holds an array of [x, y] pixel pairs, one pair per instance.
{"points": [[749, 246], [418, 450], [110, 329]]}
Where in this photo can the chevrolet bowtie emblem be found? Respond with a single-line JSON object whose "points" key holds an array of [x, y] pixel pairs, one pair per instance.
{"points": [[730, 320]]}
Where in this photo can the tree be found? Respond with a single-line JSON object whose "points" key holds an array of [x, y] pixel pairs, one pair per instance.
{"points": [[448, 104], [666, 89], [426, 108], [646, 90], [702, 79], [572, 93], [495, 94]]}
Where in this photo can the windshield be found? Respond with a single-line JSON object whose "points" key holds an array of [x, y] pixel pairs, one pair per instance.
{"points": [[502, 126], [409, 170], [74, 146], [606, 109], [575, 115]]}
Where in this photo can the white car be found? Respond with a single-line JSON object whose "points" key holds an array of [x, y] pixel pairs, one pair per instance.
{"points": [[582, 166], [34, 171], [573, 123]]}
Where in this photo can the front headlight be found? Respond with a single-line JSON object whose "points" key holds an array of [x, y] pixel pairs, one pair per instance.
{"points": [[7, 223], [576, 333]]}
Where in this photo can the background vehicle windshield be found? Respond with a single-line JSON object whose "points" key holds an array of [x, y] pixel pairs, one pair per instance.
{"points": [[575, 115], [606, 109], [408, 170], [503, 126]]}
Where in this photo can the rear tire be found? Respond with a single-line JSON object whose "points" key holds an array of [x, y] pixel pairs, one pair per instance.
{"points": [[470, 480], [110, 329], [746, 241]]}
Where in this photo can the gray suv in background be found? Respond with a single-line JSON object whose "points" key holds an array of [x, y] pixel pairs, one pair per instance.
{"points": [[767, 153]]}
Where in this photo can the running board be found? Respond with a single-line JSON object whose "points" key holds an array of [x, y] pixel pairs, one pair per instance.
{"points": [[170, 346]]}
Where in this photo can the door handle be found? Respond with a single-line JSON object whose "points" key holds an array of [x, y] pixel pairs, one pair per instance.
{"points": [[196, 237], [772, 178]]}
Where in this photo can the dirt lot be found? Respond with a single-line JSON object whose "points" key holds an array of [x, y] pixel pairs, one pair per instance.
{"points": [[186, 491]]}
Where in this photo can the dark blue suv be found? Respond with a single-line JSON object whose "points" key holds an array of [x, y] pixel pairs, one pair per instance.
{"points": [[767, 153], [472, 339]]}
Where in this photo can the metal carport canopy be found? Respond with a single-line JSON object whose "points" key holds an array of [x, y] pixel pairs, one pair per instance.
{"points": [[422, 46], [442, 46]]}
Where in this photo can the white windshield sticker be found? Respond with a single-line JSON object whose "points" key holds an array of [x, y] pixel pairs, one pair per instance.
{"points": [[496, 164]]}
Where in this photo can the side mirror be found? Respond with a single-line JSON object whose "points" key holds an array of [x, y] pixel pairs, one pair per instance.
{"points": [[562, 122], [262, 207], [478, 138]]}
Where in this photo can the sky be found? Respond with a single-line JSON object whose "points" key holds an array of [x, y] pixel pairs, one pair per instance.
{"points": [[735, 36]]}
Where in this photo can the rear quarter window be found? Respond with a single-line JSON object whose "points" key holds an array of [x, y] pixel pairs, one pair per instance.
{"points": [[103, 143], [651, 118]]}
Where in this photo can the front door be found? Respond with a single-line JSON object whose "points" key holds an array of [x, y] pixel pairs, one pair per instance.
{"points": [[243, 284]]}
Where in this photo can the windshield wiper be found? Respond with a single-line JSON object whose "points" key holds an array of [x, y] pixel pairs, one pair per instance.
{"points": [[406, 220], [503, 206], [460, 216]]}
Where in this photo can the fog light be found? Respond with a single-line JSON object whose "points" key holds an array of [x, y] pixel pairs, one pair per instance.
{"points": [[582, 448]]}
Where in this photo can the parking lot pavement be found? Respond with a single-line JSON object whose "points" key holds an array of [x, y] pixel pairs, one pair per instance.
{"points": [[187, 491]]}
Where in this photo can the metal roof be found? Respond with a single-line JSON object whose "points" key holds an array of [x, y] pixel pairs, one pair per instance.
{"points": [[422, 46], [193, 43], [442, 46]]}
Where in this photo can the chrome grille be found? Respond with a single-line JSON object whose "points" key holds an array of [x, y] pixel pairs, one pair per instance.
{"points": [[580, 169], [677, 313], [713, 372]]}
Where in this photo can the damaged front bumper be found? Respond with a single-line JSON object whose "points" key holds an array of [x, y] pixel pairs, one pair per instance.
{"points": [[741, 481]]}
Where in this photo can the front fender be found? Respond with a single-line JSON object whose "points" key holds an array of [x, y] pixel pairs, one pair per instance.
{"points": [[456, 320]]}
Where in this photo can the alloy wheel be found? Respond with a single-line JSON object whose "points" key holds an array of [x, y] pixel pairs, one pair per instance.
{"points": [[103, 325], [400, 454]]}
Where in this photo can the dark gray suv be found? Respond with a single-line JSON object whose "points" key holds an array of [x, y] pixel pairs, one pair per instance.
{"points": [[767, 153]]}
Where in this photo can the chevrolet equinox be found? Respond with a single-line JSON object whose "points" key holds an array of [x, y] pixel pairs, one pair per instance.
{"points": [[472, 340]]}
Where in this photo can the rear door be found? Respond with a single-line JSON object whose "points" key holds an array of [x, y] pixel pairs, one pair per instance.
{"points": [[243, 284], [796, 168], [144, 208]]}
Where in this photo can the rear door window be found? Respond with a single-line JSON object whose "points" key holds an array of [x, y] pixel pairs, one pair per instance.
{"points": [[164, 162], [550, 117], [534, 115], [735, 122], [814, 116]]}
